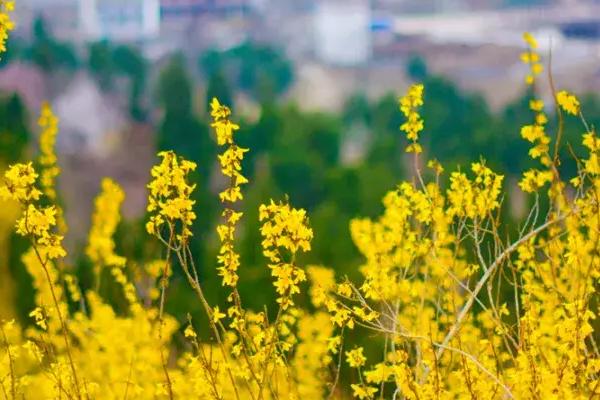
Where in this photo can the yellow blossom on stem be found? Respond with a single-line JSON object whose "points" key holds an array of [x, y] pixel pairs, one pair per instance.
{"points": [[189, 332], [231, 167], [363, 391], [474, 198], [568, 102], [40, 318], [105, 219], [169, 199], [356, 358], [19, 184], [284, 229], [531, 58], [409, 105], [534, 179], [48, 123], [37, 222]]}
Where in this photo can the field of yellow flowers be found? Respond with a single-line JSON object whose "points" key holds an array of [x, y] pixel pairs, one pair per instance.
{"points": [[460, 309]]}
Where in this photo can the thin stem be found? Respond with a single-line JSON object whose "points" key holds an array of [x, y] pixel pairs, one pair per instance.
{"points": [[467, 307], [60, 318], [13, 390]]}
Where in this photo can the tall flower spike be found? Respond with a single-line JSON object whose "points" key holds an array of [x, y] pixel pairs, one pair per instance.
{"points": [[284, 228], [409, 105], [169, 199], [231, 166], [105, 219], [535, 133], [48, 123], [531, 58]]}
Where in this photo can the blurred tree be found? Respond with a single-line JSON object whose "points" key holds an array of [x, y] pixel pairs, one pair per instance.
{"points": [[15, 48], [14, 131], [48, 53], [130, 62], [101, 63], [218, 87], [262, 71], [357, 109], [416, 68]]}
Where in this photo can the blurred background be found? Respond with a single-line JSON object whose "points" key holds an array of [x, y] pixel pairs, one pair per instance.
{"points": [[314, 85]]}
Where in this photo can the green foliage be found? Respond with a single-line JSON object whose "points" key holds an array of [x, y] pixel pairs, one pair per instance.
{"points": [[48, 53], [218, 87], [15, 48], [416, 68], [100, 63], [14, 131], [106, 62], [261, 71]]}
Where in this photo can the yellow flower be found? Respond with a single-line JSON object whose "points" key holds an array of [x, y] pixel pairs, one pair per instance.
{"points": [[217, 315], [379, 373], [169, 198], [530, 40], [19, 182], [536, 105], [532, 59], [105, 219], [355, 358], [534, 179], [40, 318], [436, 166], [568, 102], [363, 391], [222, 125], [48, 123], [189, 332], [231, 167], [414, 124], [286, 228], [476, 197]]}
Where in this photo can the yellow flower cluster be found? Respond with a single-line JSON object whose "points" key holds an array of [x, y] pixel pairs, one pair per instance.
{"points": [[105, 219], [592, 142], [19, 183], [6, 24], [356, 358], [231, 167], [284, 230], [169, 199], [535, 179], [535, 133], [37, 222], [231, 159], [48, 123], [414, 124], [568, 102], [531, 58], [474, 198]]}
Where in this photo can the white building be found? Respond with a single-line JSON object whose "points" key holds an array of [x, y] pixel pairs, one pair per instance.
{"points": [[119, 20], [342, 31], [61, 15]]}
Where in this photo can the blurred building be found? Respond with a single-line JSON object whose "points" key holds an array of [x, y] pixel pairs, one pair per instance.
{"points": [[342, 30], [119, 20], [186, 7], [62, 15]]}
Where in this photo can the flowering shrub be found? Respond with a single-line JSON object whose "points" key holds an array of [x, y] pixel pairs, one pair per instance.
{"points": [[454, 306]]}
